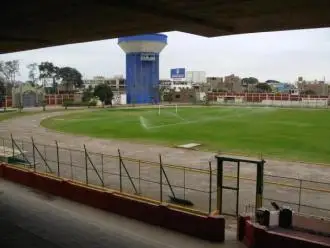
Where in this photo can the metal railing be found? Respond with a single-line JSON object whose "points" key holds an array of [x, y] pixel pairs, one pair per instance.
{"points": [[162, 182], [304, 196], [158, 181]]}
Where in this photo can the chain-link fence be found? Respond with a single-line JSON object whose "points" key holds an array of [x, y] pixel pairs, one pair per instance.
{"points": [[162, 182]]}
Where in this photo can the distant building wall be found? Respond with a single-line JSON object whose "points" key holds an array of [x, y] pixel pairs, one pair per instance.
{"points": [[6, 101], [320, 89], [229, 83], [64, 87], [233, 83], [184, 96], [116, 83], [215, 83], [27, 95], [259, 97], [58, 99], [196, 77]]}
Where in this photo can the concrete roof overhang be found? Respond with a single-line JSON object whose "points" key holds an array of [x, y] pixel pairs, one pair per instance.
{"points": [[36, 24]]}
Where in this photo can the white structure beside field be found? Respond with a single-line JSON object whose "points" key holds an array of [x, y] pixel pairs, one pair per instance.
{"points": [[119, 98], [303, 102]]}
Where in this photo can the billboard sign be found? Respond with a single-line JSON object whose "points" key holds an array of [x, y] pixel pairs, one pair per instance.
{"points": [[178, 73], [148, 57]]}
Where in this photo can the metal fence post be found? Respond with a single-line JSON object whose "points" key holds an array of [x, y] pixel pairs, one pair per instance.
{"points": [[210, 187], [160, 178], [120, 172], [86, 165], [184, 182], [12, 144], [58, 159], [34, 155], [3, 145], [71, 167], [45, 153], [102, 172], [260, 184], [237, 187], [300, 188], [89, 161], [219, 185], [140, 176]]}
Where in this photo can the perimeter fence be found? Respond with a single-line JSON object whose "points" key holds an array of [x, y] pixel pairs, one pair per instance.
{"points": [[163, 182]]}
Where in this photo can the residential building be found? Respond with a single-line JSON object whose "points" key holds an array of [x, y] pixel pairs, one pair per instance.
{"points": [[214, 83], [319, 88], [196, 77], [233, 84], [229, 83], [174, 85], [117, 83], [165, 84]]}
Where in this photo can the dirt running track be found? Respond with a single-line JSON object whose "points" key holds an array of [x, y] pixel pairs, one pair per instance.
{"points": [[24, 128]]}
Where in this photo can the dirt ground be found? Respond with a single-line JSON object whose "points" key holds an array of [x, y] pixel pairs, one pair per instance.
{"points": [[29, 126]]}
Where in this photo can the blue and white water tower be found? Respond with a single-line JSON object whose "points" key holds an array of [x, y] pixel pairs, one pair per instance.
{"points": [[142, 66]]}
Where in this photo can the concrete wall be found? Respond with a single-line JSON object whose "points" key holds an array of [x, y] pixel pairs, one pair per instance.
{"points": [[254, 235], [210, 228], [302, 103]]}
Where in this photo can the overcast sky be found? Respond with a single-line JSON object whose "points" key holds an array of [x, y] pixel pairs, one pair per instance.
{"points": [[277, 55]]}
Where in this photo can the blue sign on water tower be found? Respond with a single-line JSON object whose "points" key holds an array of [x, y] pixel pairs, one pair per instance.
{"points": [[178, 73]]}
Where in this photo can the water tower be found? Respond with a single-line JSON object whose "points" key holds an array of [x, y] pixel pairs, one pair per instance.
{"points": [[142, 66]]}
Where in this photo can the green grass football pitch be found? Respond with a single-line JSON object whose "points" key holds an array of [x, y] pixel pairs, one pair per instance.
{"points": [[291, 134]]}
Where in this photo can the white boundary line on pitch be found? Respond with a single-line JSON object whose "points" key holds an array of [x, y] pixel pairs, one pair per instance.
{"points": [[199, 121]]}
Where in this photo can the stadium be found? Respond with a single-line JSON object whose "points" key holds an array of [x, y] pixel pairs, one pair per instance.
{"points": [[213, 156], [281, 129]]}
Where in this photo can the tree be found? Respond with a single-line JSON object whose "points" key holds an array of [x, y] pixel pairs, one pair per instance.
{"points": [[104, 93], [162, 92], [9, 70], [206, 100], [48, 70], [2, 87], [271, 81], [169, 96], [250, 80], [70, 77], [31, 83], [263, 87], [33, 73], [87, 94]]}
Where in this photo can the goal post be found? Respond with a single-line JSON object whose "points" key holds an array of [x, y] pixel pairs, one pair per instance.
{"points": [[167, 107]]}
